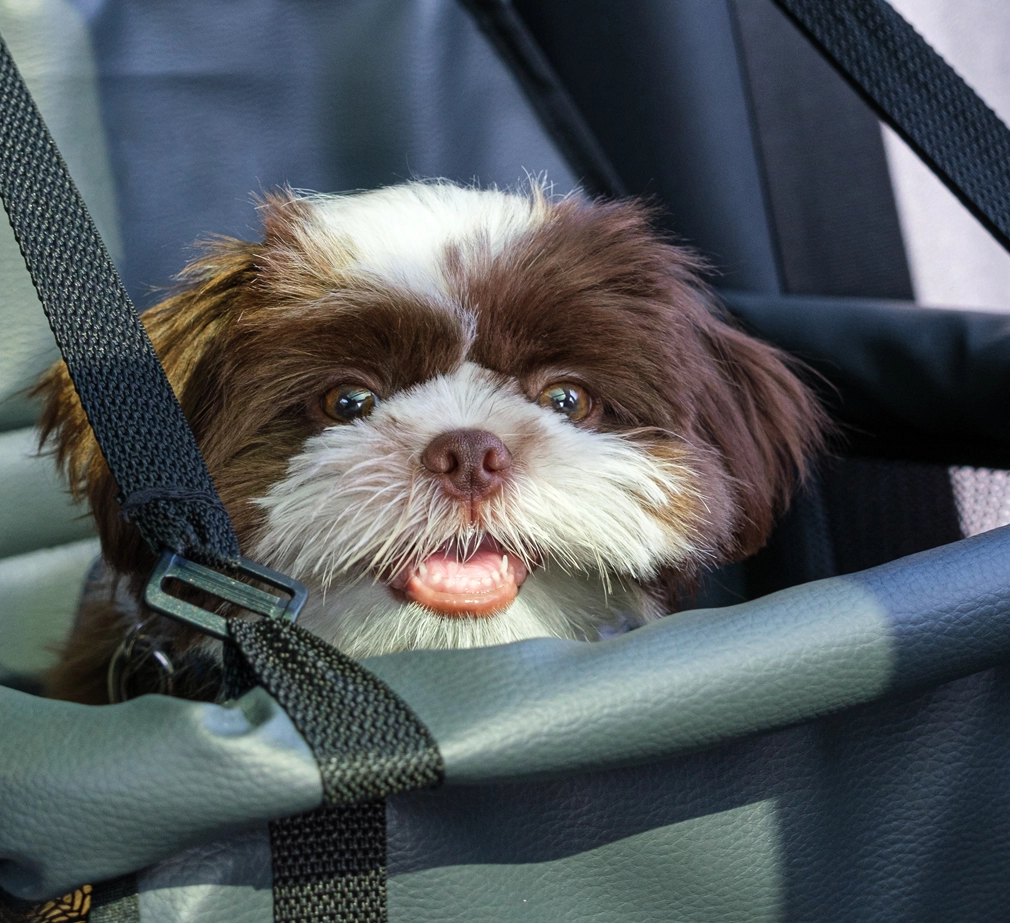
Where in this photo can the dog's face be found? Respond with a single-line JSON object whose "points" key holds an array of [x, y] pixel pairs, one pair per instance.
{"points": [[464, 417]]}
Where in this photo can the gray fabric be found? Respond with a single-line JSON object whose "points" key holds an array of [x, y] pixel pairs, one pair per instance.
{"points": [[723, 866], [53, 51], [35, 510], [204, 107], [227, 881], [115, 901], [829, 194], [88, 794], [551, 707], [39, 592], [660, 84]]}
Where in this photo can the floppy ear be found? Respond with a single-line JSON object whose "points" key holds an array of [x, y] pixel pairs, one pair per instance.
{"points": [[182, 328], [766, 423]]}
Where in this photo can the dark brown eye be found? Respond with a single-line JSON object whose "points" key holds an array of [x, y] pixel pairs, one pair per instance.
{"points": [[568, 398], [347, 403]]}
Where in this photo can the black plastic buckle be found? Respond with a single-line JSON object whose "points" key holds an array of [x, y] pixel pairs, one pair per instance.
{"points": [[175, 566]]}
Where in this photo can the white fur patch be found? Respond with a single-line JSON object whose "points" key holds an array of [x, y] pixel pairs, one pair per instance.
{"points": [[591, 514], [400, 235]]}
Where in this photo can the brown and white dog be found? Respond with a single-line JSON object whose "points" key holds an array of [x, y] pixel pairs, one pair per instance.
{"points": [[461, 417]]}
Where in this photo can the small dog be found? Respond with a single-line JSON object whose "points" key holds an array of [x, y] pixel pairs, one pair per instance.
{"points": [[461, 417]]}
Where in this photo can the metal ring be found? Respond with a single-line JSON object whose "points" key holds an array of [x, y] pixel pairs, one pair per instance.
{"points": [[134, 651]]}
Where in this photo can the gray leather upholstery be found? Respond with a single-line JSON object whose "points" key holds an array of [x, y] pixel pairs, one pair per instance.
{"points": [[40, 592], [36, 511], [91, 793], [53, 51], [556, 707], [583, 852], [228, 880]]}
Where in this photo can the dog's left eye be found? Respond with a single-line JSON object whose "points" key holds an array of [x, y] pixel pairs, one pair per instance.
{"points": [[348, 402], [567, 398]]}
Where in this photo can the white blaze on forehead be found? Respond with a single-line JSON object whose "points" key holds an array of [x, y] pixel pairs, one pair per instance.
{"points": [[357, 499], [400, 235]]}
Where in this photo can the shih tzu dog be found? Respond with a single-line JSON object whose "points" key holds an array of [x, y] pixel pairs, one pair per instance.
{"points": [[461, 417]]}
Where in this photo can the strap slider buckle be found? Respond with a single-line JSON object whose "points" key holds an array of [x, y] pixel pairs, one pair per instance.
{"points": [[176, 567]]}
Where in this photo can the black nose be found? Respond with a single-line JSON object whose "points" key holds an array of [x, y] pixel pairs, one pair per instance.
{"points": [[472, 463]]}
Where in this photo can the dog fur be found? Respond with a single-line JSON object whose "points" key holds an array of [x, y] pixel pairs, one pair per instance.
{"points": [[458, 309]]}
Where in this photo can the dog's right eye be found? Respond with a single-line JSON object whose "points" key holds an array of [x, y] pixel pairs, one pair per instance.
{"points": [[568, 399], [347, 403]]}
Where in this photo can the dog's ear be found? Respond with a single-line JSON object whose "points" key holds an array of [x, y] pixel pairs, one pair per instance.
{"points": [[766, 423], [182, 328]]}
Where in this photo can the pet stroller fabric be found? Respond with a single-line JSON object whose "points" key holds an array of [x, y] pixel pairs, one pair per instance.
{"points": [[893, 806]]}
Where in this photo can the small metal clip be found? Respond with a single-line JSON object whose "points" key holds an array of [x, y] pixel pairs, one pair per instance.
{"points": [[175, 566]]}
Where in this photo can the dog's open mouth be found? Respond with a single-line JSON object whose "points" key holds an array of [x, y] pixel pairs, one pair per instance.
{"points": [[457, 585]]}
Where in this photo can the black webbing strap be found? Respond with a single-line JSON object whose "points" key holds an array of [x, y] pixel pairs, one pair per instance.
{"points": [[116, 901], [164, 484], [920, 96], [367, 741], [330, 864]]}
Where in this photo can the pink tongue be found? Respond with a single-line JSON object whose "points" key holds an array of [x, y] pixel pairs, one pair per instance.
{"points": [[476, 587]]}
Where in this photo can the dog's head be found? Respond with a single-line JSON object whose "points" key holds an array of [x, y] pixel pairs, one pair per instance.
{"points": [[466, 417]]}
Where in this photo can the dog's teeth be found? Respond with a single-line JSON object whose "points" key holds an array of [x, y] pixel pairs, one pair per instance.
{"points": [[504, 564], [485, 581], [422, 569], [496, 577], [436, 579]]}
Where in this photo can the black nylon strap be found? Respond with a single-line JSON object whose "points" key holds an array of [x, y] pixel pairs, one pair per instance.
{"points": [[330, 864], [133, 411], [366, 740], [920, 96], [116, 901]]}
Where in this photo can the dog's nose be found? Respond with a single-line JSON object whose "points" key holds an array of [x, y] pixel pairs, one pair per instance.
{"points": [[473, 463]]}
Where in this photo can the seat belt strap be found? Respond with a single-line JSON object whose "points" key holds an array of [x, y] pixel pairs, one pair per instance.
{"points": [[330, 864], [920, 96]]}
